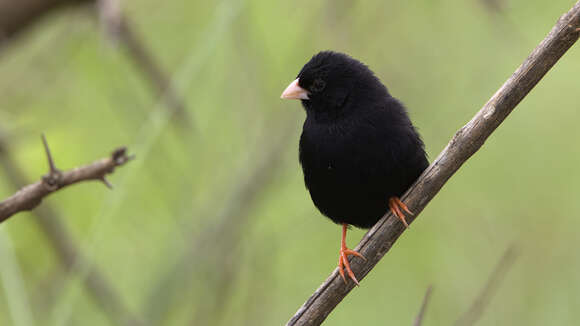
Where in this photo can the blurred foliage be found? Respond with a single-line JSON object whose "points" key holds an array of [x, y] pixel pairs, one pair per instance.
{"points": [[231, 60]]}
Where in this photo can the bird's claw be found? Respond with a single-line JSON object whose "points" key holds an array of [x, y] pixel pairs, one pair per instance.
{"points": [[344, 264], [397, 207]]}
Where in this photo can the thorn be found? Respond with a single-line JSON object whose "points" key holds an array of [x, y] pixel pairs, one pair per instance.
{"points": [[51, 165], [120, 156], [52, 179], [106, 182], [118, 153]]}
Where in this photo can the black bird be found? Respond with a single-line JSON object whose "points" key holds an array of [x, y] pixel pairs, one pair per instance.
{"points": [[359, 150]]}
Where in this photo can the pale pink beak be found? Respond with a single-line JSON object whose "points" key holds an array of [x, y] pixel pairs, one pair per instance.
{"points": [[294, 91]]}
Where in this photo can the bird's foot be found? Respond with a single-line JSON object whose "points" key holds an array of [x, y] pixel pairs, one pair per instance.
{"points": [[344, 264], [343, 257], [397, 207]]}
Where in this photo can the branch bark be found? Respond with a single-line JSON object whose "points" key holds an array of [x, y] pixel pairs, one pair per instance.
{"points": [[62, 242], [30, 196], [379, 239]]}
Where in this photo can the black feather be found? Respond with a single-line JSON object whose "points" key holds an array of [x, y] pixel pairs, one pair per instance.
{"points": [[358, 146]]}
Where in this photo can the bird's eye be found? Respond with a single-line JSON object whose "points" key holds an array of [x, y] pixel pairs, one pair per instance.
{"points": [[318, 85]]}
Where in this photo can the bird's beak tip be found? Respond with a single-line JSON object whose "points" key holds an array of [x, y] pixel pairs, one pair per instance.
{"points": [[294, 91]]}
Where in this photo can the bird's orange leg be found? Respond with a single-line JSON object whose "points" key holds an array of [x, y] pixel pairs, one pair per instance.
{"points": [[397, 207], [343, 257]]}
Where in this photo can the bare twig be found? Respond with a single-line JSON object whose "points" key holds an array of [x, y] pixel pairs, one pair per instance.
{"points": [[494, 6], [421, 314], [471, 316], [229, 221], [234, 217], [30, 196], [378, 240], [16, 16], [120, 29], [63, 244], [97, 284]]}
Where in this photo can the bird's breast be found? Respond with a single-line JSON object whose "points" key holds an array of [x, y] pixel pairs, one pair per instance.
{"points": [[345, 156], [352, 169]]}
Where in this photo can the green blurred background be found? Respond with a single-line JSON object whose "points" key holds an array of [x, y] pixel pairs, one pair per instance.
{"points": [[211, 224]]}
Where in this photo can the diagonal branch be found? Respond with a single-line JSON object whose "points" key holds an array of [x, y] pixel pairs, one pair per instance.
{"points": [[475, 311], [378, 240], [119, 27], [423, 309], [228, 224], [30, 196]]}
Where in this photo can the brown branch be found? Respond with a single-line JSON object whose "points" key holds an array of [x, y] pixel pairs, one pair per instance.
{"points": [[30, 196], [15, 16], [96, 283], [120, 28], [227, 224], [475, 311], [65, 248], [378, 240], [421, 314], [236, 214]]}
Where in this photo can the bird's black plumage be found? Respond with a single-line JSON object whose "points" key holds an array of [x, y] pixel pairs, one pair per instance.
{"points": [[358, 147]]}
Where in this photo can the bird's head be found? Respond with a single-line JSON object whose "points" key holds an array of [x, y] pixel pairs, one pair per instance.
{"points": [[329, 81]]}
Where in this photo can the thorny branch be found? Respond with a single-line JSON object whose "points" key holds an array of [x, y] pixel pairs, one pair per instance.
{"points": [[62, 241], [379, 240], [30, 196]]}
